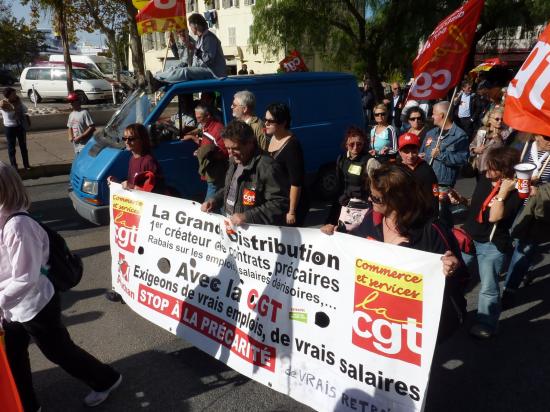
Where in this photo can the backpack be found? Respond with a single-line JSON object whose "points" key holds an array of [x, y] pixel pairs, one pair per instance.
{"points": [[64, 268]]}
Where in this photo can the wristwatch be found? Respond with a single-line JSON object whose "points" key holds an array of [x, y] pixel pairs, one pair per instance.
{"points": [[499, 199]]}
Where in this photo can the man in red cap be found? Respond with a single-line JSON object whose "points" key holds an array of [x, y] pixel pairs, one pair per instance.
{"points": [[409, 145]]}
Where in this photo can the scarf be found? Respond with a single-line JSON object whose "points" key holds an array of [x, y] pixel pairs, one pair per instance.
{"points": [[485, 205]]}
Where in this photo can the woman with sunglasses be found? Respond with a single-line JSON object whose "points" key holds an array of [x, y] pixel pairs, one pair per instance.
{"points": [[142, 160], [417, 120], [383, 137], [402, 215], [286, 149], [350, 175], [494, 205], [489, 136], [144, 172]]}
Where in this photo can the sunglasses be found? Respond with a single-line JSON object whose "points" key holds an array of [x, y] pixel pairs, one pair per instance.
{"points": [[498, 119], [414, 119], [376, 200], [380, 114], [270, 121], [129, 139]]}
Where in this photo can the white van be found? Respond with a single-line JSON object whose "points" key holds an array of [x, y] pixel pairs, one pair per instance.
{"points": [[101, 64], [50, 82]]}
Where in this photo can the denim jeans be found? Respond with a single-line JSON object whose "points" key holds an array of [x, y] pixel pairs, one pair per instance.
{"points": [[489, 262], [181, 74], [519, 264], [13, 135]]}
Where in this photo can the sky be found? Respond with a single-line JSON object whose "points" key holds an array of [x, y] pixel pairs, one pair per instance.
{"points": [[20, 11]]}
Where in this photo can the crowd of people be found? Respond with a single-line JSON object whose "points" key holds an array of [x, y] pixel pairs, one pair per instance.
{"points": [[395, 180], [425, 153]]}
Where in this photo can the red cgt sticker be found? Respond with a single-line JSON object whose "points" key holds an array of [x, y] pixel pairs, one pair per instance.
{"points": [[249, 197]]}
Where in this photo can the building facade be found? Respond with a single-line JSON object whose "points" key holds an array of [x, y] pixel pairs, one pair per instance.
{"points": [[231, 21]]}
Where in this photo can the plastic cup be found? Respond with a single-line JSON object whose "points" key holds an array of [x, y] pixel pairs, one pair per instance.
{"points": [[524, 171]]}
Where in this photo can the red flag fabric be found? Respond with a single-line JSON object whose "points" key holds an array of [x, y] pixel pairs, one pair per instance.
{"points": [[293, 63], [9, 398], [527, 105], [161, 16], [440, 64]]}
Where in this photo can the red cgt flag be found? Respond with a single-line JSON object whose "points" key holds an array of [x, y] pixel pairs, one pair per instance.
{"points": [[439, 65], [161, 16], [527, 105]]}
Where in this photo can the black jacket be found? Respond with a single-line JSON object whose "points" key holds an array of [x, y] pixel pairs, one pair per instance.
{"points": [[351, 179], [267, 191], [476, 109]]}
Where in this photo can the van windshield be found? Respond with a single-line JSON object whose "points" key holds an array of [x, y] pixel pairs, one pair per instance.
{"points": [[135, 109], [105, 67], [84, 74]]}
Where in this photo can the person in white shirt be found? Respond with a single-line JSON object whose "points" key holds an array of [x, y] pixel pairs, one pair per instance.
{"points": [[30, 306], [16, 123]]}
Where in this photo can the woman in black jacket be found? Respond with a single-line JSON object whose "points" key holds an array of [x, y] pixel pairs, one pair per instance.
{"points": [[351, 174]]}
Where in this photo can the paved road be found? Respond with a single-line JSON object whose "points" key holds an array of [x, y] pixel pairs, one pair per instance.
{"points": [[163, 373]]}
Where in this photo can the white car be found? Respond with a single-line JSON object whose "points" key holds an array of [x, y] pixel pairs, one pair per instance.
{"points": [[50, 82]]}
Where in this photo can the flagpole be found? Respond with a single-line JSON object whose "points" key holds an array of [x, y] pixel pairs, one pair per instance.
{"points": [[444, 122], [166, 53]]}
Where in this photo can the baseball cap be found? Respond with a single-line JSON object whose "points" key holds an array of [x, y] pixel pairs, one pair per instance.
{"points": [[408, 139], [73, 97]]}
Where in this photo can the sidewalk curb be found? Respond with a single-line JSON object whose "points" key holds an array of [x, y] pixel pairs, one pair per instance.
{"points": [[55, 121], [37, 172]]}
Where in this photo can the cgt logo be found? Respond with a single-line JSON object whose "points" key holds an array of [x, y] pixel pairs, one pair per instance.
{"points": [[249, 197], [126, 217], [387, 316], [123, 268]]}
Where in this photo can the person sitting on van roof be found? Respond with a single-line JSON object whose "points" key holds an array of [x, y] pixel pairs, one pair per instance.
{"points": [[256, 188], [208, 61], [80, 124], [243, 107], [182, 47]]}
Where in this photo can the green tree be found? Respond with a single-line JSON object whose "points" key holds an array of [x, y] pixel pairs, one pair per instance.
{"points": [[110, 18], [135, 41], [18, 41], [379, 36]]}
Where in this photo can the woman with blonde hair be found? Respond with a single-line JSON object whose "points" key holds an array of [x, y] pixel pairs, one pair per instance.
{"points": [[30, 307], [491, 135]]}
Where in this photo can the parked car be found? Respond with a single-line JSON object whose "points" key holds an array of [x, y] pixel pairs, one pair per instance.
{"points": [[317, 121], [50, 82], [6, 77]]}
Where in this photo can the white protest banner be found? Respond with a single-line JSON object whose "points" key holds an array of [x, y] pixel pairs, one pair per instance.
{"points": [[336, 322]]}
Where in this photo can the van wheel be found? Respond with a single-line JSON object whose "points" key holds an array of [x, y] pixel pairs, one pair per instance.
{"points": [[327, 184], [34, 97], [82, 96]]}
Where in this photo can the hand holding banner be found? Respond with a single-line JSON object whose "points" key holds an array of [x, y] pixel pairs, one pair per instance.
{"points": [[161, 16], [527, 106], [440, 64]]}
